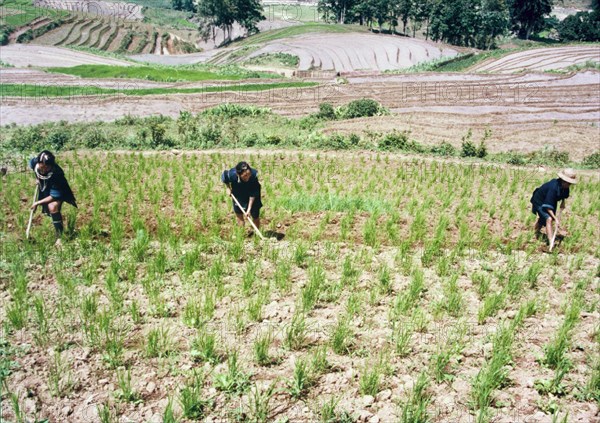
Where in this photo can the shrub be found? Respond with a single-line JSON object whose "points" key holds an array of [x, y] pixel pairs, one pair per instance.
{"points": [[468, 148], [444, 149], [335, 142], [25, 37], [481, 150], [229, 110], [515, 158], [326, 111], [592, 161], [5, 31], [394, 140], [58, 138], [364, 107], [95, 138], [211, 134], [27, 139]]}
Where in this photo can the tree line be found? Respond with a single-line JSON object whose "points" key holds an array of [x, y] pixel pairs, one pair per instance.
{"points": [[469, 23]]}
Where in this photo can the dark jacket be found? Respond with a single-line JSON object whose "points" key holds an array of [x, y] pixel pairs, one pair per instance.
{"points": [[243, 190], [56, 186], [548, 195]]}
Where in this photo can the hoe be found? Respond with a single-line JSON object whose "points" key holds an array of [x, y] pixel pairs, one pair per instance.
{"points": [[248, 217], [35, 194]]}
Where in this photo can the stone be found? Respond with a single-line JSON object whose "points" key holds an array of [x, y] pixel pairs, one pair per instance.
{"points": [[364, 415], [66, 411], [384, 395], [374, 419], [368, 400], [150, 387]]}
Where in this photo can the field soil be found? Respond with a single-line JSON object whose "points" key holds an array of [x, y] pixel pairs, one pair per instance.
{"points": [[542, 59], [31, 55], [524, 112], [63, 376]]}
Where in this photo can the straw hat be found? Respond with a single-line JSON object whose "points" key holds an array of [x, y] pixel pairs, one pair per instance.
{"points": [[568, 175]]}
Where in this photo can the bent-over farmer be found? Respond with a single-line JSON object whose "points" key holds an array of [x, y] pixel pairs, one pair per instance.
{"points": [[53, 189], [242, 182], [545, 200]]}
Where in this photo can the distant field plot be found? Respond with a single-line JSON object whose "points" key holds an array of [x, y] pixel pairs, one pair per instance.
{"points": [[546, 59], [116, 10]]}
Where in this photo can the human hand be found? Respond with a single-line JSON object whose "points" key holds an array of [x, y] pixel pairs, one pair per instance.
{"points": [[34, 205]]}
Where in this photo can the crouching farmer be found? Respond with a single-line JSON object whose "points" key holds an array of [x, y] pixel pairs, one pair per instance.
{"points": [[242, 183], [545, 200], [53, 189]]}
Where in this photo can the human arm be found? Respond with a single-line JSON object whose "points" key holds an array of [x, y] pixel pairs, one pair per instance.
{"points": [[45, 200], [226, 180]]}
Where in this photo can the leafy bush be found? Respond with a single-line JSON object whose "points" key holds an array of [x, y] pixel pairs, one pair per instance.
{"points": [[229, 110], [516, 159], [394, 141], [5, 31], [582, 26], [326, 111], [445, 149], [128, 120], [364, 107], [335, 142], [592, 161], [57, 138], [550, 157], [95, 138]]}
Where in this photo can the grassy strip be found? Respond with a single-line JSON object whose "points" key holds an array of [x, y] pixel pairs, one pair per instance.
{"points": [[159, 73], [27, 90]]}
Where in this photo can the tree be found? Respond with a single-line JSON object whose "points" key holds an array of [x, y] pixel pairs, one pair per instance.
{"points": [[185, 5], [338, 8], [248, 13], [527, 16], [403, 10], [494, 23], [582, 26], [471, 23], [224, 13]]}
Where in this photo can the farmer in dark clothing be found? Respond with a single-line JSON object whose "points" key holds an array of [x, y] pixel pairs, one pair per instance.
{"points": [[53, 188], [242, 182], [545, 200]]}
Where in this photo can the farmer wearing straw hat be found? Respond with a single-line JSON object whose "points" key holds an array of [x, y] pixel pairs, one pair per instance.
{"points": [[545, 200], [53, 189], [242, 182]]}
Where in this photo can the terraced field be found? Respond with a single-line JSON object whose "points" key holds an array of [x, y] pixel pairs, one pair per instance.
{"points": [[349, 52], [543, 59], [523, 112], [108, 34]]}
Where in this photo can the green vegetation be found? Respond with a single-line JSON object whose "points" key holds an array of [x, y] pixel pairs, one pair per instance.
{"points": [[235, 125], [155, 276], [17, 13], [274, 59], [162, 73]]}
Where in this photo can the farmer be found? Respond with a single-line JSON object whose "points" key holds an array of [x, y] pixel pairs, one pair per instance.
{"points": [[53, 189], [242, 183], [545, 200]]}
